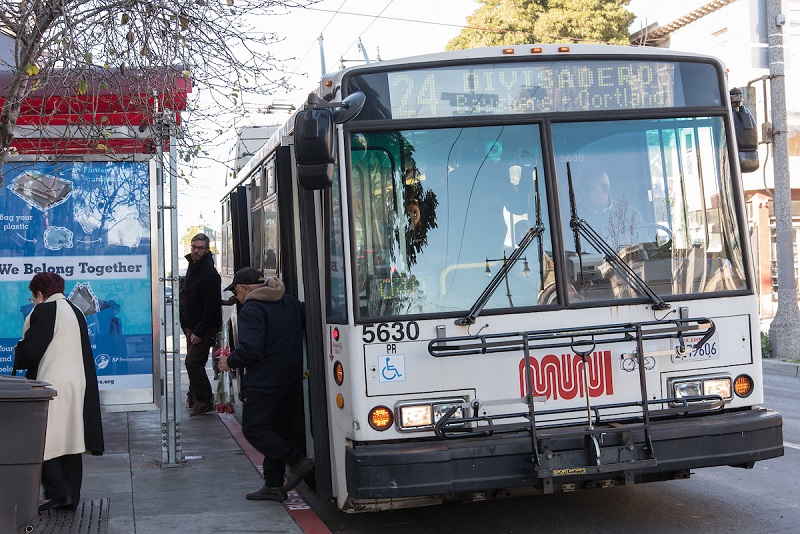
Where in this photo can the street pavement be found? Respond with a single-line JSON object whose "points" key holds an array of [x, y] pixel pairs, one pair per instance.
{"points": [[780, 367], [206, 495]]}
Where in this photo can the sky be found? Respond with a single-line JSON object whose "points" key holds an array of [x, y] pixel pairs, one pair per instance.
{"points": [[650, 11], [389, 29]]}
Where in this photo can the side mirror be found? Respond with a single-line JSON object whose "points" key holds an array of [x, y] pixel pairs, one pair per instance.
{"points": [[314, 144], [746, 133], [349, 108], [315, 137]]}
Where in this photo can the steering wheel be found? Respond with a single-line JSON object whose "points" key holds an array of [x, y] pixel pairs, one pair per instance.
{"points": [[654, 226]]}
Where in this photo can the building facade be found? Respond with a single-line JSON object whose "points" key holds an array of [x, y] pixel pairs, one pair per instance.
{"points": [[735, 32]]}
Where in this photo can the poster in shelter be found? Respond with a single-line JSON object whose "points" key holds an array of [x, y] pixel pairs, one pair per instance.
{"points": [[90, 223]]}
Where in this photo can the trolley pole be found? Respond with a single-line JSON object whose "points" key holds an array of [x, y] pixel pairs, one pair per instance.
{"points": [[321, 55], [785, 328]]}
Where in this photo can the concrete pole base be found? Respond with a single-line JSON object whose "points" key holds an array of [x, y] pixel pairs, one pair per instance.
{"points": [[784, 333]]}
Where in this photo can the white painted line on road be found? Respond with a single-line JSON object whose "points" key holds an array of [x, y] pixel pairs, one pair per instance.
{"points": [[791, 445]]}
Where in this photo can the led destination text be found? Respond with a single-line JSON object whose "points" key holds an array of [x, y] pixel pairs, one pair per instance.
{"points": [[541, 87], [531, 88]]}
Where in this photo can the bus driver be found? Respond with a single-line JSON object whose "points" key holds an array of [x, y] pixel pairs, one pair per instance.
{"points": [[617, 221]]}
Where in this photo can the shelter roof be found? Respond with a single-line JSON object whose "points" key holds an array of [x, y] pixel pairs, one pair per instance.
{"points": [[96, 111]]}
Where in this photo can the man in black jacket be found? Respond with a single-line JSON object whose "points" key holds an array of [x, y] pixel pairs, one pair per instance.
{"points": [[270, 348], [201, 320]]}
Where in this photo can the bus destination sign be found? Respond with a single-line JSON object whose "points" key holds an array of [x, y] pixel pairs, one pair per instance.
{"points": [[545, 87]]}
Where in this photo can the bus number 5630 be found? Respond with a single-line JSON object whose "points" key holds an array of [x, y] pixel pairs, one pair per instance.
{"points": [[397, 331]]}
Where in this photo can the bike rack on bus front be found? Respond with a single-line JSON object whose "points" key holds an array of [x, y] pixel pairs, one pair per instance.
{"points": [[582, 341]]}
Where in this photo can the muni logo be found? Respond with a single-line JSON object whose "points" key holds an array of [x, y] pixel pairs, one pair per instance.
{"points": [[561, 377]]}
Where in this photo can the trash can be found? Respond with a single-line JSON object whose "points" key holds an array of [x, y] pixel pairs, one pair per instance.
{"points": [[23, 413]]}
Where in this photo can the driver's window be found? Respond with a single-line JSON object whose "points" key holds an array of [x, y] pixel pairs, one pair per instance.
{"points": [[657, 194]]}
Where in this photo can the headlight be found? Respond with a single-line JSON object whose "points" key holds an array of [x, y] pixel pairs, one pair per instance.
{"points": [[718, 386], [688, 389], [701, 386], [415, 416], [423, 415], [440, 409]]}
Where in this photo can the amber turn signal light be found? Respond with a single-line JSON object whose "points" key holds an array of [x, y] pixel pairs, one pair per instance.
{"points": [[743, 386], [338, 373], [380, 418]]}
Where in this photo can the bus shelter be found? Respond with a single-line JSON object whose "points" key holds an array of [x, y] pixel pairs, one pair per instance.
{"points": [[87, 193]]}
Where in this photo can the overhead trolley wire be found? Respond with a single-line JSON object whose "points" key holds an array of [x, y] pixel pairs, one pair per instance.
{"points": [[374, 18], [399, 19], [380, 16], [338, 10], [450, 25]]}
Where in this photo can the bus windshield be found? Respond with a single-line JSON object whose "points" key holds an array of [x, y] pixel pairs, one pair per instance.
{"points": [[437, 212], [659, 193]]}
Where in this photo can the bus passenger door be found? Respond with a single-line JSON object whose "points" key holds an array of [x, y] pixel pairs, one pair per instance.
{"points": [[312, 287]]}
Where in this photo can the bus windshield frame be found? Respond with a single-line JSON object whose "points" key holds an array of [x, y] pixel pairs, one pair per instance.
{"points": [[537, 87], [437, 205]]}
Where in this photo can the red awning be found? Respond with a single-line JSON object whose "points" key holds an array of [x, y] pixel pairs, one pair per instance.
{"points": [[112, 115]]}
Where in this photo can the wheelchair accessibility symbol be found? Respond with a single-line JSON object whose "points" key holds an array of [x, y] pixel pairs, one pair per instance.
{"points": [[392, 367]]}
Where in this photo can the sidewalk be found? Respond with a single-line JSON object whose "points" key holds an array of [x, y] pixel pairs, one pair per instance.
{"points": [[780, 367], [206, 495]]}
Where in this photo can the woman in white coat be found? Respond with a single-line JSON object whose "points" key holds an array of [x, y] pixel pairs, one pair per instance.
{"points": [[56, 349]]}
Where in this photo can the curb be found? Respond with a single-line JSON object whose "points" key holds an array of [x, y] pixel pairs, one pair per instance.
{"points": [[780, 368], [308, 521]]}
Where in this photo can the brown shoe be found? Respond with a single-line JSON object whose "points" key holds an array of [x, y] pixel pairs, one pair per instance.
{"points": [[200, 408], [297, 473], [267, 494], [189, 401]]}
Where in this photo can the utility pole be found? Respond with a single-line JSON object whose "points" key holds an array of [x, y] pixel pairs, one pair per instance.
{"points": [[784, 332]]}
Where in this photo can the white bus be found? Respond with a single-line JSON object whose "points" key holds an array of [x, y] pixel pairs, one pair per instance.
{"points": [[526, 270]]}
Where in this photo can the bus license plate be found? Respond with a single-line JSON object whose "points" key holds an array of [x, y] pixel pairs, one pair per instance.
{"points": [[708, 351]]}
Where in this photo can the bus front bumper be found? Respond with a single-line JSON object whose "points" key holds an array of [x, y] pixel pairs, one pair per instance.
{"points": [[470, 465]]}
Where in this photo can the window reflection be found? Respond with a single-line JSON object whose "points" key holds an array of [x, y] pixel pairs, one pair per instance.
{"points": [[433, 209], [337, 305], [270, 249], [659, 193]]}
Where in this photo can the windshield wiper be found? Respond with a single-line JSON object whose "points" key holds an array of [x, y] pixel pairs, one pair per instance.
{"points": [[533, 232], [582, 228]]}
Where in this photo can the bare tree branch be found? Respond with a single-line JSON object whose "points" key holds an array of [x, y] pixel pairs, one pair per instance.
{"points": [[94, 48]]}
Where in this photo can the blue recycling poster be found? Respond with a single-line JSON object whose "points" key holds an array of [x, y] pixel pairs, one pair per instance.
{"points": [[90, 223]]}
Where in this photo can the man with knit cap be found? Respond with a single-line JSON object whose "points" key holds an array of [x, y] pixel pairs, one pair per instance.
{"points": [[270, 349], [201, 320]]}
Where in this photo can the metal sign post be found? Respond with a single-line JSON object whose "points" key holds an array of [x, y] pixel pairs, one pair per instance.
{"points": [[171, 441]]}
